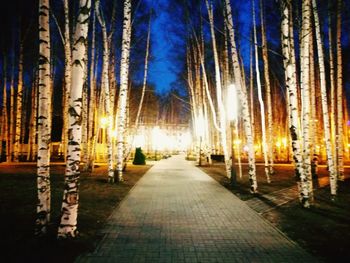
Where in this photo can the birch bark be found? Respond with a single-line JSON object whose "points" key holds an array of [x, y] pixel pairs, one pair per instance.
{"points": [[44, 132], [68, 224], [122, 101]]}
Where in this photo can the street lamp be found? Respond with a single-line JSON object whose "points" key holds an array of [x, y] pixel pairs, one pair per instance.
{"points": [[231, 107]]}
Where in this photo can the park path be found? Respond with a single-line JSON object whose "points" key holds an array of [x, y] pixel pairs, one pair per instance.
{"points": [[177, 213]]}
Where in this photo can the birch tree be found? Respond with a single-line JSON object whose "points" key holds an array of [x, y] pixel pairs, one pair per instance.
{"points": [[327, 133], [123, 92], [219, 96], [44, 133], [261, 100], [106, 89], [267, 89], [291, 86], [340, 114], [68, 224], [242, 92], [19, 104]]}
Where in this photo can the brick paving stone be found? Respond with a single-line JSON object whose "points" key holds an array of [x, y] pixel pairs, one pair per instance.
{"points": [[177, 213]]}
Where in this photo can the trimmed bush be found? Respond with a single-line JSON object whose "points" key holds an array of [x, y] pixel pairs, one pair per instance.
{"points": [[140, 158]]}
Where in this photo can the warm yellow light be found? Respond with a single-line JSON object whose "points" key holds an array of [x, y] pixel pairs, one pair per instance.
{"points": [[237, 142], [114, 134], [246, 148], [278, 143], [139, 140], [200, 125], [284, 142], [103, 122]]}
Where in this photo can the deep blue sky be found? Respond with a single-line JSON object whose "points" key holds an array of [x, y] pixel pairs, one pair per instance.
{"points": [[160, 69]]}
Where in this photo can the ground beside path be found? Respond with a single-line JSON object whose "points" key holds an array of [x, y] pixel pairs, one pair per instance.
{"points": [[177, 213]]}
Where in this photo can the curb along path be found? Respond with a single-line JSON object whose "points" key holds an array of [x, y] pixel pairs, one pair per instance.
{"points": [[177, 213]]}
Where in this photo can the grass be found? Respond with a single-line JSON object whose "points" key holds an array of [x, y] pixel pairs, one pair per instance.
{"points": [[17, 212], [323, 229]]}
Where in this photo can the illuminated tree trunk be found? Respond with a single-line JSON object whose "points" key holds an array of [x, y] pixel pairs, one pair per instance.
{"points": [[44, 132], [67, 76], [4, 117], [19, 106], [243, 99], [68, 224], [327, 134], [305, 90], [219, 96], [340, 130], [33, 124], [144, 84], [267, 90], [12, 113], [332, 89], [124, 72], [105, 88], [92, 104], [291, 85], [261, 100]]}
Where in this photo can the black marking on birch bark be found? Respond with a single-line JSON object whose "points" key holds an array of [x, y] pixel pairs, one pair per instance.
{"points": [[42, 13], [42, 29], [77, 63]]}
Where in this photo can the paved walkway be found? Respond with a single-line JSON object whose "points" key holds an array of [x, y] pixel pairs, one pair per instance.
{"points": [[177, 213]]}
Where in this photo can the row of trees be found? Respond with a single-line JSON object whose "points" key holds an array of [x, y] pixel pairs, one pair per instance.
{"points": [[88, 94], [313, 86]]}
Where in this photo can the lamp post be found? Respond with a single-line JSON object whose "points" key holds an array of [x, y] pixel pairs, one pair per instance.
{"points": [[232, 117]]}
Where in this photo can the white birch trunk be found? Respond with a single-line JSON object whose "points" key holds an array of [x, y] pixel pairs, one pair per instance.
{"points": [[291, 84], [261, 100], [19, 105], [332, 90], [240, 84], [67, 76], [68, 224], [124, 76], [327, 133], [219, 96], [4, 116], [105, 88], [267, 90], [44, 132], [340, 114]]}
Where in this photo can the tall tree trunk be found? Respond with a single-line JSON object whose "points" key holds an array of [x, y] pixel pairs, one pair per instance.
{"points": [[267, 89], [19, 106], [92, 102], [327, 133], [138, 114], [340, 130], [124, 76], [332, 88], [219, 96], [261, 100], [240, 84], [106, 89], [305, 89], [44, 132], [67, 76], [4, 116], [68, 224], [291, 85]]}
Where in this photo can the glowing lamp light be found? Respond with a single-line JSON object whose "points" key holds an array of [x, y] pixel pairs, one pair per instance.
{"points": [[104, 121], [284, 142], [237, 142], [139, 141], [114, 134], [200, 126], [278, 143], [231, 102], [246, 148]]}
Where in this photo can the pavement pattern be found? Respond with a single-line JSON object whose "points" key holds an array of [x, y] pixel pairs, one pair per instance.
{"points": [[177, 213]]}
